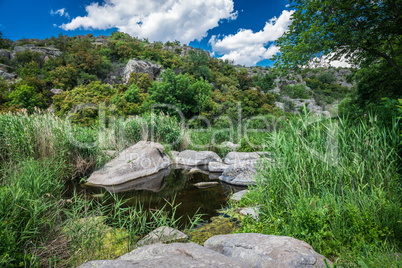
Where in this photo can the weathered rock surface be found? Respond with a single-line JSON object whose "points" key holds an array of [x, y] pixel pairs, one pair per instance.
{"points": [[141, 66], [217, 166], [183, 255], [140, 160], [238, 195], [46, 51], [259, 250], [242, 173], [154, 183], [162, 234], [237, 157], [253, 212], [196, 158], [108, 264]]}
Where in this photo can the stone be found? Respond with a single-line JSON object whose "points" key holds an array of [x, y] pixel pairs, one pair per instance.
{"points": [[196, 158], [253, 212], [154, 183], [142, 159], [141, 66], [206, 184], [5, 55], [107, 264], [162, 234], [237, 157], [56, 91], [259, 250], [230, 145], [179, 255], [242, 174], [217, 166], [238, 195]]}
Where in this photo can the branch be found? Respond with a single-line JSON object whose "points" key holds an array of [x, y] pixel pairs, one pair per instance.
{"points": [[386, 57]]}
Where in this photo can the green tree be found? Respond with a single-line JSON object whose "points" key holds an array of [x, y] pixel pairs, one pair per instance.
{"points": [[27, 97], [356, 29]]}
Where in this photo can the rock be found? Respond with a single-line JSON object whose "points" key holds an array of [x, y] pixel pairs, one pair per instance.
{"points": [[110, 153], [142, 159], [5, 55], [162, 234], [178, 255], [154, 183], [46, 51], [141, 66], [7, 76], [238, 196], [56, 91], [259, 250], [108, 264], [237, 157], [243, 174], [206, 184], [230, 145], [253, 212], [194, 158], [217, 166]]}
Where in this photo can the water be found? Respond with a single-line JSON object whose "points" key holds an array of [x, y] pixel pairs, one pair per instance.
{"points": [[177, 186]]}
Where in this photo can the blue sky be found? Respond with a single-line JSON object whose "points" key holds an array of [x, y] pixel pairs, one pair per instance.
{"points": [[240, 30]]}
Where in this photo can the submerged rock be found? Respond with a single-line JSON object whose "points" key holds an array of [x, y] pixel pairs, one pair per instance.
{"points": [[259, 250], [140, 160], [206, 184], [196, 158]]}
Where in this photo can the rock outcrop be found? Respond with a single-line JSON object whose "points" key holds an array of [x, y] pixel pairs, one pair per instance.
{"points": [[140, 160], [259, 250], [196, 158], [235, 250], [141, 66], [162, 234]]}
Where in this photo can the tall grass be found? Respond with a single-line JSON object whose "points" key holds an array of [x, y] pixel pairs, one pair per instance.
{"points": [[335, 185]]}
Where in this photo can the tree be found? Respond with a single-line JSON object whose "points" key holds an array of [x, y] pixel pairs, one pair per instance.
{"points": [[360, 30]]}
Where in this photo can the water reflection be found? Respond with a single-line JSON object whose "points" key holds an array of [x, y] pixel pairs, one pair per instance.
{"points": [[175, 185]]}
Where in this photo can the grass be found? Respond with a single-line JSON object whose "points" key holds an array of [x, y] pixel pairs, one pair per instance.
{"points": [[334, 185]]}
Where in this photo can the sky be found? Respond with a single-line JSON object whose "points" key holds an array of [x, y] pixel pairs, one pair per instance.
{"points": [[243, 31]]}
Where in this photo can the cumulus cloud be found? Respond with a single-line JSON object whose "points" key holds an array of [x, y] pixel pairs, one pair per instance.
{"points": [[61, 12], [247, 47], [157, 20]]}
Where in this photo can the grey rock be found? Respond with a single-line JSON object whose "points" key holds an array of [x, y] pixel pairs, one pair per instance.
{"points": [[162, 234], [253, 212], [142, 159], [180, 255], [230, 145], [217, 166], [154, 183], [206, 184], [238, 157], [56, 91], [243, 173], [7, 76], [141, 66], [46, 51], [5, 55], [108, 264], [259, 250], [238, 196], [196, 158]]}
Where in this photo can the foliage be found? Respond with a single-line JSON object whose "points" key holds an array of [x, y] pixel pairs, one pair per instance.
{"points": [[298, 91], [335, 185], [351, 29], [27, 97]]}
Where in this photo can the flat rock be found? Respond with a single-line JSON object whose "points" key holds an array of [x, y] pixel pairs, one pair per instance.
{"points": [[196, 158], [238, 195], [242, 174], [206, 184], [253, 212], [179, 255], [259, 250], [108, 264], [217, 166], [237, 157], [142, 159], [162, 234]]}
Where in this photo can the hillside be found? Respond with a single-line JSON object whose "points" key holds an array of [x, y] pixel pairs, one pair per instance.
{"points": [[132, 74]]}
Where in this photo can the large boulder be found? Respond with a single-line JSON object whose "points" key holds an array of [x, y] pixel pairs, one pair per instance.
{"points": [[141, 66], [237, 157], [196, 158], [217, 167], [242, 173], [162, 234], [180, 255], [142, 159], [259, 250]]}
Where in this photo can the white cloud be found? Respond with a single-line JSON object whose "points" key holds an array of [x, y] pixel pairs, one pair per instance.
{"points": [[247, 47], [61, 12], [157, 20]]}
